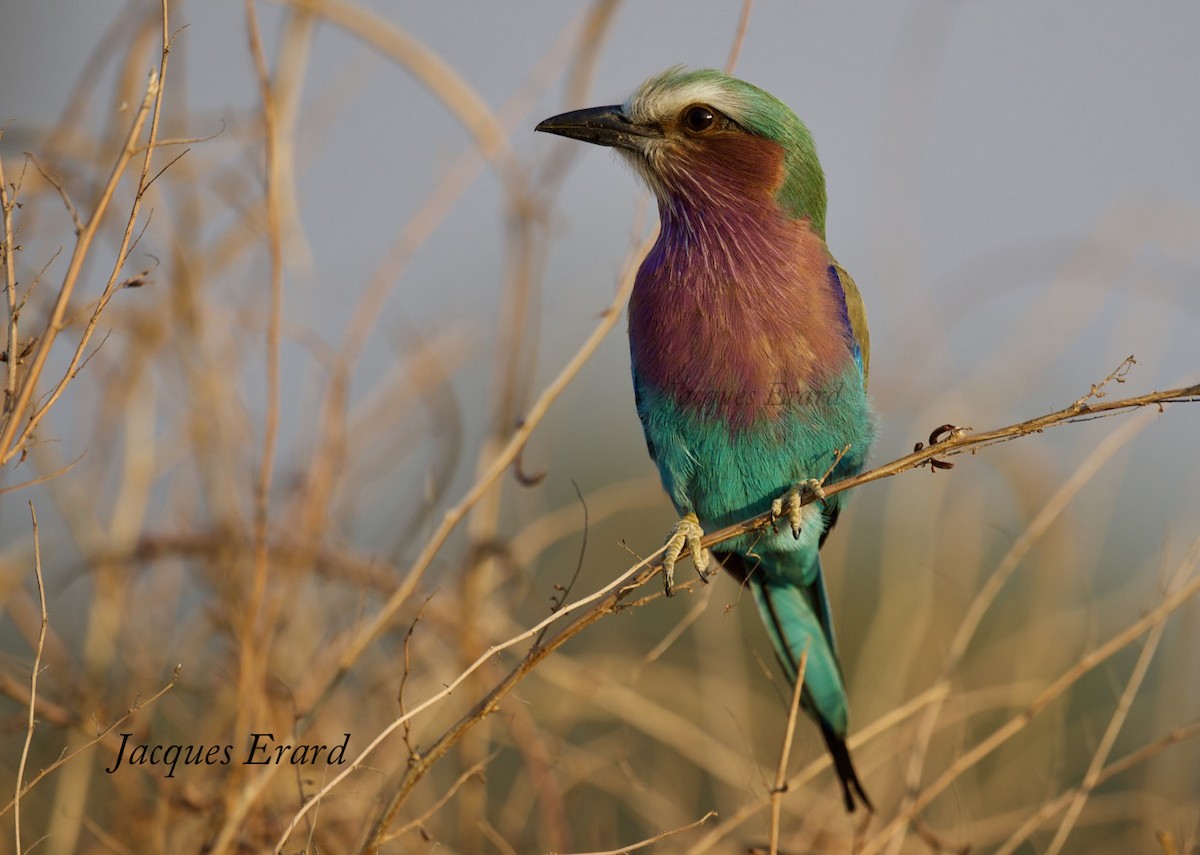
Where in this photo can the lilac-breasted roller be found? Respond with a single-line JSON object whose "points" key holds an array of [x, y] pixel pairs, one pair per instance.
{"points": [[749, 350]]}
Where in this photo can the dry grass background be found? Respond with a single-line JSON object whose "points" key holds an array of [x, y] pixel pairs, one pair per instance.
{"points": [[200, 464]]}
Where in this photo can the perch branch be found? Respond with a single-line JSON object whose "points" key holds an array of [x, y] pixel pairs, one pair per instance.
{"points": [[610, 599]]}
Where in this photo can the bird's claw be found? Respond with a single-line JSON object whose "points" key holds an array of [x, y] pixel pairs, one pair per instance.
{"points": [[945, 433], [789, 505], [685, 539]]}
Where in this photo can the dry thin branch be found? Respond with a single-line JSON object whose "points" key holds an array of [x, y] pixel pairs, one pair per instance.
{"points": [[231, 541], [882, 725], [491, 142], [559, 524], [515, 350], [8, 258], [408, 636], [442, 79], [33, 677], [739, 37], [987, 593], [582, 43], [29, 405], [681, 626], [9, 442], [1117, 767], [397, 45], [56, 714], [1141, 755], [467, 774], [1100, 756], [961, 440], [257, 618], [13, 436], [1006, 731], [650, 841], [611, 594], [609, 599], [579, 83], [496, 838], [427, 759], [366, 634], [259, 615], [785, 752], [365, 315], [681, 731], [956, 444], [124, 717], [42, 479], [57, 183]]}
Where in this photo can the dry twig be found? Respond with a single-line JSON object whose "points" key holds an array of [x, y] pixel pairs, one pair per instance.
{"points": [[22, 419], [609, 599], [138, 705], [33, 678], [785, 752], [1156, 616], [650, 841]]}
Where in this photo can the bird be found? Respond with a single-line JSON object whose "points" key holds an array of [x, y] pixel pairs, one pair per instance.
{"points": [[749, 351]]}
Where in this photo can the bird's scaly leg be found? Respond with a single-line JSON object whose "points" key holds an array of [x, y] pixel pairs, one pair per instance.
{"points": [[685, 538], [788, 505]]}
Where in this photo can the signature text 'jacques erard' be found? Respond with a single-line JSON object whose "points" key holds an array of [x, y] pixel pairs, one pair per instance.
{"points": [[263, 751]]}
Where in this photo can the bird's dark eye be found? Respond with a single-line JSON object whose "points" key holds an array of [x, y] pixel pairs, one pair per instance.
{"points": [[698, 118]]}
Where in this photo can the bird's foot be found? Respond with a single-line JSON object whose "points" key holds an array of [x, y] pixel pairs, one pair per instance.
{"points": [[788, 506], [814, 486], [684, 539]]}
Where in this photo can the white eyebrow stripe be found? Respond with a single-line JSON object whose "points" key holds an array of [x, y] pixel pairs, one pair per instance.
{"points": [[655, 102]]}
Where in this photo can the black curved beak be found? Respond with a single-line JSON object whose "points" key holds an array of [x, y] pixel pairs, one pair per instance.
{"points": [[601, 126]]}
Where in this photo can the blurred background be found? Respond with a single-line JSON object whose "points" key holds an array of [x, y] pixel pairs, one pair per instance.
{"points": [[1015, 189]]}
